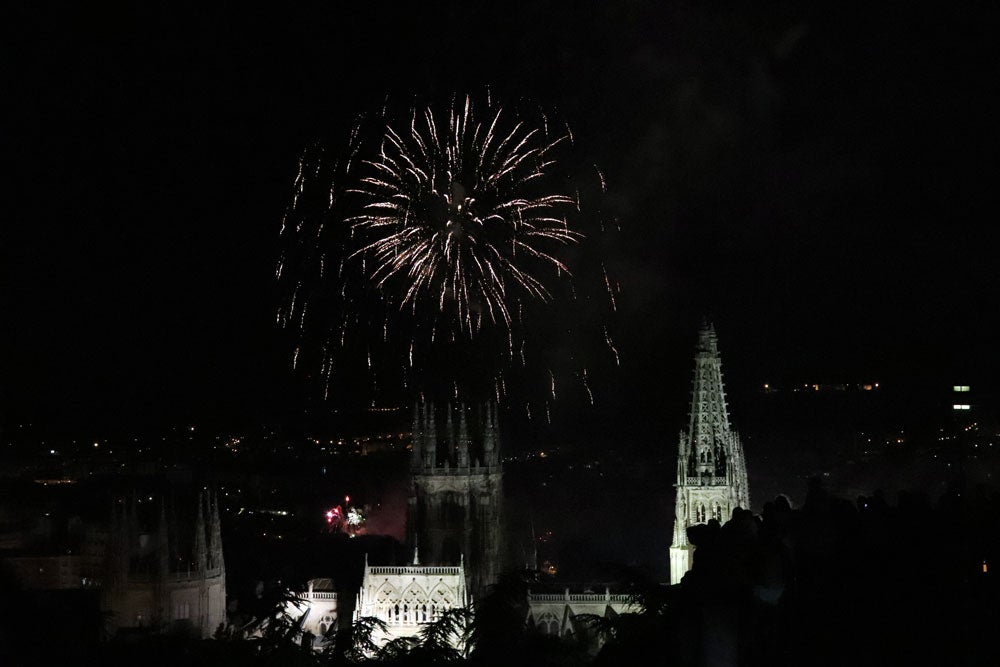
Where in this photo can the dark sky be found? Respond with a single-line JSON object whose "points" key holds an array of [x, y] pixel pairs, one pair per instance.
{"points": [[820, 180]]}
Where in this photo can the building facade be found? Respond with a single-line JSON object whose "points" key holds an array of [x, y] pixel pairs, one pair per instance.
{"points": [[711, 469], [406, 596]]}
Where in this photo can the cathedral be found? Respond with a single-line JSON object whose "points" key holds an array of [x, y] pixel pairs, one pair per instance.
{"points": [[711, 471]]}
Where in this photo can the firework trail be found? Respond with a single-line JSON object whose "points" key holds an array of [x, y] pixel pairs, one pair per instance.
{"points": [[441, 251]]}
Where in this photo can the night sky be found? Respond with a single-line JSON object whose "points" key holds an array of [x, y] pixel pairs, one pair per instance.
{"points": [[817, 180]]}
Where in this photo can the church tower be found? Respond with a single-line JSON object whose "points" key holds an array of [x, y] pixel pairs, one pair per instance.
{"points": [[711, 470], [455, 506]]}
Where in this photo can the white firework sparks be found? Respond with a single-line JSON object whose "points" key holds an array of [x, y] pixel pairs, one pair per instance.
{"points": [[456, 215]]}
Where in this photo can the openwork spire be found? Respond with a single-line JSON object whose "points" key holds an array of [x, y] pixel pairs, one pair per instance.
{"points": [[711, 470], [709, 417]]}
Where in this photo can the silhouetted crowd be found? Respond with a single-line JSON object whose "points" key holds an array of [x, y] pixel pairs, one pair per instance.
{"points": [[836, 583]]}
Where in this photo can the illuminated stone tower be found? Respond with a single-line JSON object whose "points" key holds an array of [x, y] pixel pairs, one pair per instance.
{"points": [[455, 506], [711, 470]]}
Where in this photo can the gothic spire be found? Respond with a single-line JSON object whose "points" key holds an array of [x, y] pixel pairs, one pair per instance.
{"points": [[709, 417], [711, 471], [417, 437], [463, 437], [490, 434], [431, 441], [449, 429]]}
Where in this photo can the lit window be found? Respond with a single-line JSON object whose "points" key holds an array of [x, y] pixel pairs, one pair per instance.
{"points": [[961, 407], [961, 388]]}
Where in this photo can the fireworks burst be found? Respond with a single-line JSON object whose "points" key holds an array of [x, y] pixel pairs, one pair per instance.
{"points": [[456, 217], [423, 254]]}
